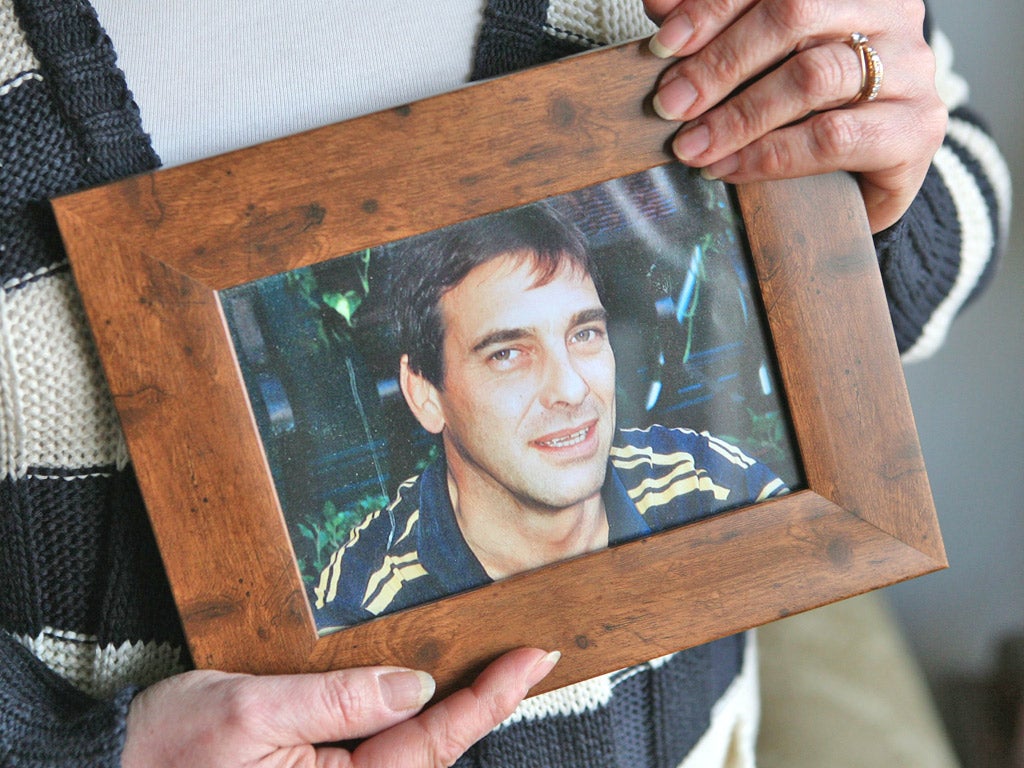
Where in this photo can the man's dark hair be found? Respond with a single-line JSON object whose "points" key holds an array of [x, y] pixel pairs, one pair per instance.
{"points": [[431, 265]]}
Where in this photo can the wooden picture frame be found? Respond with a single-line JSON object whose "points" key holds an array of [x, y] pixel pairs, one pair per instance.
{"points": [[151, 253]]}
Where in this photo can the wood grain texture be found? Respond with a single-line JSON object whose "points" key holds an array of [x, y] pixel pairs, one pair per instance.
{"points": [[151, 253]]}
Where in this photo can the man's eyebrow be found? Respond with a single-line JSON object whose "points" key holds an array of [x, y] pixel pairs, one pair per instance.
{"points": [[501, 336], [505, 335], [594, 315]]}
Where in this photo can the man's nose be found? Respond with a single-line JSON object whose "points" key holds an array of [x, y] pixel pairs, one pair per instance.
{"points": [[563, 383]]}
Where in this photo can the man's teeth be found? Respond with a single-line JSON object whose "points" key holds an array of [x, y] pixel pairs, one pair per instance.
{"points": [[568, 440]]}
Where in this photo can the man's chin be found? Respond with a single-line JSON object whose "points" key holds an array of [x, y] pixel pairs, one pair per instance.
{"points": [[562, 493]]}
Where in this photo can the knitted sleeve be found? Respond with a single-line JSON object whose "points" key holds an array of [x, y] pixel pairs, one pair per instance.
{"points": [[45, 721], [945, 249]]}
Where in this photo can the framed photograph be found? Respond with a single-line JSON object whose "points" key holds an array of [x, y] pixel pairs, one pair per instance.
{"points": [[492, 370]]}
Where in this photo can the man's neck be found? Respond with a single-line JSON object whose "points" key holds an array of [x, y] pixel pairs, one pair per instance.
{"points": [[512, 537]]}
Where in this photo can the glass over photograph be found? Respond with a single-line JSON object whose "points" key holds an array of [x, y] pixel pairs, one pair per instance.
{"points": [[451, 409]]}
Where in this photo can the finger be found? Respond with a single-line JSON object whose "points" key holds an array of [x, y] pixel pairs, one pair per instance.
{"points": [[759, 40], [817, 79], [442, 733], [872, 139], [881, 142], [336, 706], [748, 48], [687, 26]]}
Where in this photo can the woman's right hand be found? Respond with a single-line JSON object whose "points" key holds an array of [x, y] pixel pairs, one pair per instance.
{"points": [[771, 89], [216, 719]]}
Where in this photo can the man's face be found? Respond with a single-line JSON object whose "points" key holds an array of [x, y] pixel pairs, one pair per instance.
{"points": [[528, 402]]}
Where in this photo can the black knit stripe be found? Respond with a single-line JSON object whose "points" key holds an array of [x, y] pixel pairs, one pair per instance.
{"points": [[79, 64], [95, 134], [38, 153], [654, 717], [121, 595], [30, 246], [137, 602], [19, 579], [633, 713], [705, 673], [924, 283], [61, 587], [45, 721], [551, 47], [542, 743], [915, 287], [515, 36]]}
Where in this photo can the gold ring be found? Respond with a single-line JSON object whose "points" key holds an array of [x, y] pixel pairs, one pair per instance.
{"points": [[870, 68]]}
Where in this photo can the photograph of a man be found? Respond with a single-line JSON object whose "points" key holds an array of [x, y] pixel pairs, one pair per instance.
{"points": [[504, 354]]}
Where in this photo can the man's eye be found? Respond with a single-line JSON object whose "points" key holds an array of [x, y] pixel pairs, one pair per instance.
{"points": [[586, 334], [505, 355]]}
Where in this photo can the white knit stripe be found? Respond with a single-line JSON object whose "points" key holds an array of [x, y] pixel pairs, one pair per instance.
{"points": [[10, 414], [55, 407], [598, 21], [731, 739], [977, 242], [16, 58], [734, 717], [31, 277], [993, 164], [571, 700], [65, 477], [10, 85], [952, 88], [101, 671], [574, 18]]}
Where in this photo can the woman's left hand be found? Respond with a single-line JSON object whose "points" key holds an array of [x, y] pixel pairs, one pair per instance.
{"points": [[770, 89]]}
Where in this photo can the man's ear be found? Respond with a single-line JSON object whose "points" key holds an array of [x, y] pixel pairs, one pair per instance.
{"points": [[421, 396]]}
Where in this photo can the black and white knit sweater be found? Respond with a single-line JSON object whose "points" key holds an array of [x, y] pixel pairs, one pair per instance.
{"points": [[85, 610]]}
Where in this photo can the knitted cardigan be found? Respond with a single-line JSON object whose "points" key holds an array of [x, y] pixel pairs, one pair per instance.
{"points": [[85, 610]]}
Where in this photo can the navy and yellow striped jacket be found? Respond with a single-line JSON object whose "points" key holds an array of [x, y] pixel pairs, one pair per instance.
{"points": [[412, 551]]}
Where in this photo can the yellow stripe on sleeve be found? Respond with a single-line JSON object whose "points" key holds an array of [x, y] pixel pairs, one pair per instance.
{"points": [[397, 578], [681, 487]]}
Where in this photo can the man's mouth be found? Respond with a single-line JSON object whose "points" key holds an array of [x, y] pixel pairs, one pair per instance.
{"points": [[564, 442], [566, 439]]}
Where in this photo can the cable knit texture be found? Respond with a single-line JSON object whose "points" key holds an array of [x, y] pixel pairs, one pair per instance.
{"points": [[85, 609]]}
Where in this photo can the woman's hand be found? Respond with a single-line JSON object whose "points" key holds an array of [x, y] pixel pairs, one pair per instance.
{"points": [[212, 719], [768, 89]]}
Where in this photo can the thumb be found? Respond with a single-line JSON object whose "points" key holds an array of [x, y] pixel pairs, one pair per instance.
{"points": [[341, 705]]}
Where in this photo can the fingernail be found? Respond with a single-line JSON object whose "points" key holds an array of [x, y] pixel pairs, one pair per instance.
{"points": [[674, 98], [406, 689], [542, 668], [692, 143], [722, 168], [672, 36]]}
